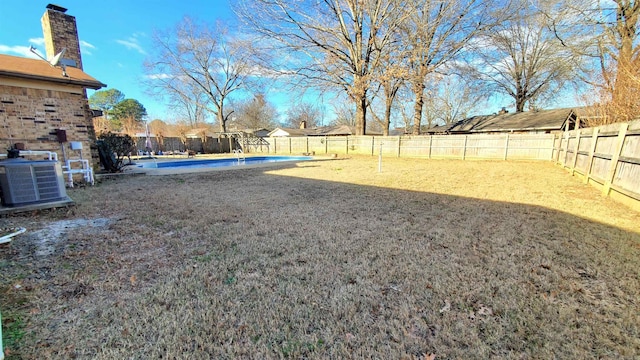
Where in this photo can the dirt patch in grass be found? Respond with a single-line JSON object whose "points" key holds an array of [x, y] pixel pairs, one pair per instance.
{"points": [[329, 259]]}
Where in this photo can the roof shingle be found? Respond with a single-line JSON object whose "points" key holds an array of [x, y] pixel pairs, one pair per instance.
{"points": [[19, 67]]}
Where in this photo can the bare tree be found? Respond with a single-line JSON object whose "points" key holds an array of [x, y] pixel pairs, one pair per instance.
{"points": [[189, 101], [305, 111], [344, 113], [160, 129], [451, 98], [255, 113], [435, 32], [182, 129], [405, 110], [331, 43], [605, 33], [523, 59], [390, 78], [197, 59], [626, 54]]}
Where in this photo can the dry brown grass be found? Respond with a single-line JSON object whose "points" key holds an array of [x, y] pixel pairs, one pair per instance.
{"points": [[330, 259]]}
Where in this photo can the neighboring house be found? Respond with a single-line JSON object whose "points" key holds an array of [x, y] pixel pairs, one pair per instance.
{"points": [[261, 133], [40, 105], [541, 121], [338, 130], [199, 133]]}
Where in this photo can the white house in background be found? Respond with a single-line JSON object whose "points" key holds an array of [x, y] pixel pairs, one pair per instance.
{"points": [[338, 130]]}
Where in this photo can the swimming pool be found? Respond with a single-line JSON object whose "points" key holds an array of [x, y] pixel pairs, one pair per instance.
{"points": [[226, 162]]}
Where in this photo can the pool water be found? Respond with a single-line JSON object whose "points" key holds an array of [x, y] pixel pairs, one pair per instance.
{"points": [[226, 162]]}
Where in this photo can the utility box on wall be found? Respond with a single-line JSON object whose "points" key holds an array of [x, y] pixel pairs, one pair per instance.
{"points": [[75, 145], [62, 135]]}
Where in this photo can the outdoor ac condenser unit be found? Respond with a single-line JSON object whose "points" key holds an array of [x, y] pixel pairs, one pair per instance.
{"points": [[31, 182]]}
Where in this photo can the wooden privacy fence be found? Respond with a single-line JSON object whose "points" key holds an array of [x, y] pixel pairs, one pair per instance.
{"points": [[607, 157], [500, 146]]}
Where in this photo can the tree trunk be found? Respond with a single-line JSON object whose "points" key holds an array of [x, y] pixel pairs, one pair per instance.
{"points": [[417, 111], [221, 120], [361, 115], [520, 104], [627, 17], [387, 117]]}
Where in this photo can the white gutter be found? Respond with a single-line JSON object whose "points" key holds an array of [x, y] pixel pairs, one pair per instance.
{"points": [[52, 155]]}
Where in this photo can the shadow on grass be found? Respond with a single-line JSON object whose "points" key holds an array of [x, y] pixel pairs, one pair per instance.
{"points": [[249, 264]]}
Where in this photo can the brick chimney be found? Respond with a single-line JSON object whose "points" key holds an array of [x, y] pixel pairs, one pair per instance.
{"points": [[60, 31]]}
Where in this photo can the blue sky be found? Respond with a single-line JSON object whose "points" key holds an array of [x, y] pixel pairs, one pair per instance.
{"points": [[115, 35], [116, 39]]}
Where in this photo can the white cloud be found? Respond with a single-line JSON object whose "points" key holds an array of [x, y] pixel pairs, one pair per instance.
{"points": [[86, 44], [86, 47], [37, 41], [17, 50], [132, 43]]}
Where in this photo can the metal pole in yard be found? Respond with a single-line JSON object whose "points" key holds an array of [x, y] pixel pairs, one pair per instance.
{"points": [[380, 159], [506, 147]]}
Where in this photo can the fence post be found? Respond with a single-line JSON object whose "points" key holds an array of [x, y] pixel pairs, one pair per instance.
{"points": [[506, 147], [373, 145], [307, 138], [622, 133], [326, 145], [566, 149], [347, 147], [575, 153], [399, 140], [556, 156], [289, 145], [430, 143], [592, 151]]}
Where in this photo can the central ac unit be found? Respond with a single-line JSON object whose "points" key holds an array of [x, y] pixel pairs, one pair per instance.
{"points": [[31, 182]]}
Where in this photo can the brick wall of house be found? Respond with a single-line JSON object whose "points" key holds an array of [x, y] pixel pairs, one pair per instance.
{"points": [[32, 116]]}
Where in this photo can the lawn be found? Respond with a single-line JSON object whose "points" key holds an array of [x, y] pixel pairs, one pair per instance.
{"points": [[328, 259]]}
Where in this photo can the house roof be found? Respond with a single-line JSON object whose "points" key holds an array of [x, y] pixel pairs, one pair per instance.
{"points": [[438, 129], [35, 69], [293, 131], [335, 130], [524, 121], [318, 131]]}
